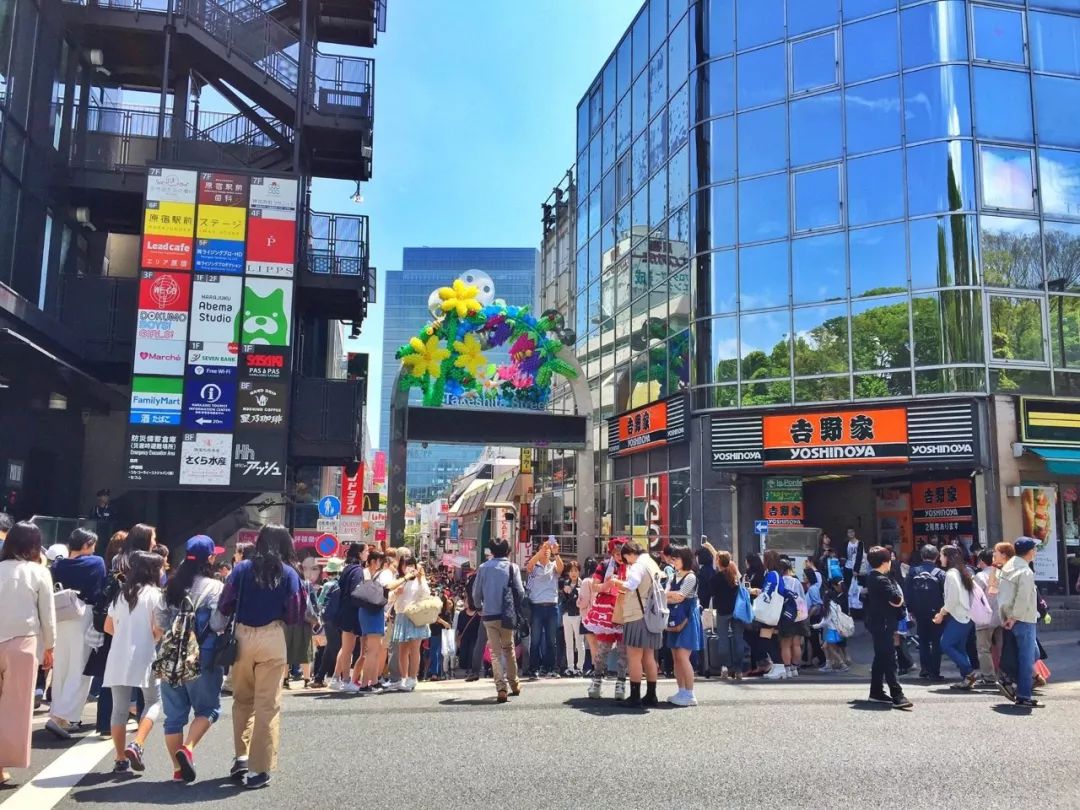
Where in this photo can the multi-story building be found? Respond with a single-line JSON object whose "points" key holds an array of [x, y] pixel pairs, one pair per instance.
{"points": [[433, 468], [872, 207], [92, 94]]}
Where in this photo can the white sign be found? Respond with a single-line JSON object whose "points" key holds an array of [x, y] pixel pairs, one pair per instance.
{"points": [[328, 525], [350, 529], [213, 354], [273, 192], [171, 185], [205, 459], [159, 356], [215, 308]]}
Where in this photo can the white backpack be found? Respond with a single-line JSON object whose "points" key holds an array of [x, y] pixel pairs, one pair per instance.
{"points": [[655, 607]]}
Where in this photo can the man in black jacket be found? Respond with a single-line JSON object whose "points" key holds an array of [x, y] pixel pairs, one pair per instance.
{"points": [[924, 591], [883, 603]]}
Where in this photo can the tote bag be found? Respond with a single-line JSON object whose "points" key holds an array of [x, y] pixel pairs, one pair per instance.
{"points": [[768, 607], [744, 609]]}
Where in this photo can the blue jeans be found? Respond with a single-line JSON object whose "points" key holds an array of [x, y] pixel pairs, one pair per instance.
{"points": [[543, 629], [954, 639], [435, 659], [201, 696], [1027, 652]]}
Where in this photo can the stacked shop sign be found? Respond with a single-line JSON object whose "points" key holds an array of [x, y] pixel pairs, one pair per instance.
{"points": [[212, 366]]}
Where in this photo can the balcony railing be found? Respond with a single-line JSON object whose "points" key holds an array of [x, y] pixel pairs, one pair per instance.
{"points": [[337, 244]]}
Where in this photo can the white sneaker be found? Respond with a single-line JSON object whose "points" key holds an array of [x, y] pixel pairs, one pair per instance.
{"points": [[620, 690], [335, 684], [408, 685], [690, 699], [826, 668], [349, 688], [594, 690], [395, 686], [793, 672], [679, 698], [777, 673]]}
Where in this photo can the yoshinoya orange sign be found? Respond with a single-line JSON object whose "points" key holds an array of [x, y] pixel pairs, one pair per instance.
{"points": [[837, 437], [654, 425]]}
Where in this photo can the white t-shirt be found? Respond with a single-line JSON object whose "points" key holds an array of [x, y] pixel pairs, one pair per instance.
{"points": [[133, 648], [852, 550]]}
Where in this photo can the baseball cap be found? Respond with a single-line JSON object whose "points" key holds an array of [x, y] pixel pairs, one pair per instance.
{"points": [[1025, 544], [56, 551], [200, 547], [334, 566]]}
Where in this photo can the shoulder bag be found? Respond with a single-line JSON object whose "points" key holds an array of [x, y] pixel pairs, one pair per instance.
{"points": [[225, 652], [67, 603]]}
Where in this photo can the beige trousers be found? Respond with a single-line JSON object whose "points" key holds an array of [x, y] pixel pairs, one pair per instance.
{"points": [[256, 681], [18, 674], [503, 661]]}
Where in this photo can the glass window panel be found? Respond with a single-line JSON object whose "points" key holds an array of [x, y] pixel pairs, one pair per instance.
{"points": [[658, 83], [607, 197], [623, 67], [723, 282], [1055, 42], [1058, 100], [813, 63], [607, 153], [821, 339], [1059, 175], [639, 161], [1016, 329], [765, 393], [596, 108], [875, 188], [1061, 5], [943, 251], [676, 9], [1065, 331], [941, 177], [722, 211], [722, 396], [934, 32], [817, 198], [582, 123], [759, 21], [809, 15], [679, 53], [596, 170], [641, 41], [639, 213], [765, 345], [816, 130], [657, 199], [725, 350], [679, 231], [657, 23], [1011, 252], [608, 80], [853, 9], [1019, 381], [763, 208], [823, 389], [883, 386], [873, 115], [721, 149], [1007, 178], [623, 126], [763, 276], [679, 118], [721, 78], [948, 327], [950, 381], [594, 211], [863, 62], [880, 334], [998, 34], [995, 119], [817, 269], [658, 148], [721, 27], [763, 140], [937, 103], [878, 260], [623, 185], [678, 179], [762, 76], [639, 98], [1062, 242], [583, 168]]}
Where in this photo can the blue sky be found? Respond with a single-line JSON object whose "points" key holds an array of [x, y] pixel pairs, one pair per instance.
{"points": [[475, 105]]}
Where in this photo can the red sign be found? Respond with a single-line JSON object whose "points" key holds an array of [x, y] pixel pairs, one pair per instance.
{"points": [[166, 252], [651, 510], [165, 292], [378, 473], [217, 188], [271, 240], [869, 436], [352, 492], [327, 545]]}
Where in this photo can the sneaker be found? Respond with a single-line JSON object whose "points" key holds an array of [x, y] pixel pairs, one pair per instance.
{"points": [[880, 697], [395, 686], [502, 698], [649, 700], [57, 730], [570, 673], [349, 688], [966, 684], [826, 668], [594, 690], [408, 684], [177, 776], [185, 761], [254, 781], [335, 684], [1008, 689], [121, 766], [1029, 703], [988, 681], [690, 699], [793, 672], [902, 703], [472, 678], [620, 690], [363, 691], [134, 754], [679, 698], [777, 673], [843, 668], [515, 689], [239, 770]]}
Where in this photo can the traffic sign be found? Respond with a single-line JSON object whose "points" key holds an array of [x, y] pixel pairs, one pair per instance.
{"points": [[327, 545], [761, 527], [329, 507]]}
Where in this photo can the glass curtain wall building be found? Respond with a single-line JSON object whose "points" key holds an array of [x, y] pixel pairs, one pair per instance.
{"points": [[864, 200], [432, 469]]}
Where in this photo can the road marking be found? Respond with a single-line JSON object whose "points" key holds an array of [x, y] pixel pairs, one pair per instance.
{"points": [[46, 789]]}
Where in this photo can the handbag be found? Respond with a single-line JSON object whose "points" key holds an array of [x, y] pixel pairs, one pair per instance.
{"points": [[226, 650], [767, 608], [424, 611], [69, 607], [370, 595], [744, 608]]}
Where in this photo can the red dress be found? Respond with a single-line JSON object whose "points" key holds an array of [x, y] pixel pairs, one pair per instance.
{"points": [[599, 618]]}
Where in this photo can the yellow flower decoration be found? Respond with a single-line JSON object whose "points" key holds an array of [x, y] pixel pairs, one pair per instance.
{"points": [[460, 298], [470, 357], [428, 358]]}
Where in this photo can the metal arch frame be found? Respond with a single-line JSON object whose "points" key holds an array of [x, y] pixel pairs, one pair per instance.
{"points": [[585, 521]]}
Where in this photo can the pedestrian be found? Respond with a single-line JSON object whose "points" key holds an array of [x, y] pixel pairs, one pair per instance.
{"points": [[760, 658], [854, 558], [600, 620], [83, 572], [773, 586], [371, 622], [988, 638], [329, 604], [99, 654], [264, 595], [898, 573], [924, 592], [793, 627], [498, 593], [299, 637], [134, 633], [685, 633], [141, 537], [437, 661], [955, 614], [465, 629], [1018, 602], [884, 601], [408, 634], [192, 589], [27, 636], [347, 617], [544, 569], [642, 577], [569, 594], [586, 595], [725, 590], [832, 616]]}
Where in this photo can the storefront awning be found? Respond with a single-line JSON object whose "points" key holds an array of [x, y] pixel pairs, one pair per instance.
{"points": [[1059, 460]]}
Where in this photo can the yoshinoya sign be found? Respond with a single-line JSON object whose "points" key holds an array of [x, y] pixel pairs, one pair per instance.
{"points": [[656, 425], [852, 436]]}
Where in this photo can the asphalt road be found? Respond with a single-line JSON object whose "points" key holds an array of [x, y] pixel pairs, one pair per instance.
{"points": [[811, 742]]}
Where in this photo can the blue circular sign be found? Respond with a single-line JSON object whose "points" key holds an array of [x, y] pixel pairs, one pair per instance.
{"points": [[329, 507], [327, 545]]}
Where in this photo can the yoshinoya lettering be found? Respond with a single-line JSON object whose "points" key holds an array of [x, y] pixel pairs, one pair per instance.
{"points": [[737, 455], [846, 451], [958, 448]]}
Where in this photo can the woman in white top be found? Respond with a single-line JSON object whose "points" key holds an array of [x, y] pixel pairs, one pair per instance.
{"points": [[956, 614], [406, 634], [134, 638], [28, 617]]}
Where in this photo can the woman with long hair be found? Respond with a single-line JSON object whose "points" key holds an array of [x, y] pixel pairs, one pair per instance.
{"points": [[347, 618], [773, 584], [730, 631], [408, 635], [956, 614], [754, 579], [194, 589], [685, 633], [27, 621], [134, 633], [569, 592], [264, 594], [641, 643], [606, 635], [372, 624], [95, 665], [141, 537]]}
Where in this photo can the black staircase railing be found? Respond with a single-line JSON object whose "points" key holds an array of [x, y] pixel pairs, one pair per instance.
{"points": [[337, 244]]}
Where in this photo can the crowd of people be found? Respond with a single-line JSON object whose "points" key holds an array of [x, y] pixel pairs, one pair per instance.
{"points": [[156, 643]]}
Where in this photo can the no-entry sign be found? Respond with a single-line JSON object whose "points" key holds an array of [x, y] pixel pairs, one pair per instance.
{"points": [[327, 545]]}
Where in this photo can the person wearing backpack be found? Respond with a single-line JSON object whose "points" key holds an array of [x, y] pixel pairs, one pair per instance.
{"points": [[493, 580], [642, 611], [924, 591], [955, 614], [191, 597], [884, 602]]}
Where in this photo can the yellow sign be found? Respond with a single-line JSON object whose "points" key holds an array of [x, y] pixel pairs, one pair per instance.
{"points": [[221, 222], [525, 460], [169, 219]]}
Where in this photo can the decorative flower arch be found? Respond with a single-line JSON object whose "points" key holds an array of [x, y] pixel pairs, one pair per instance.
{"points": [[447, 357]]}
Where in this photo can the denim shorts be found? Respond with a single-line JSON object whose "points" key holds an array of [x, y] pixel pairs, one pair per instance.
{"points": [[201, 696]]}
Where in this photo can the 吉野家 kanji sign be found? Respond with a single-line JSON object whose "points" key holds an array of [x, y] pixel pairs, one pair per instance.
{"points": [[661, 423]]}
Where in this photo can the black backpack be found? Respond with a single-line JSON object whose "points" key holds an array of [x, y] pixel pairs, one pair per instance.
{"points": [[926, 593]]}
